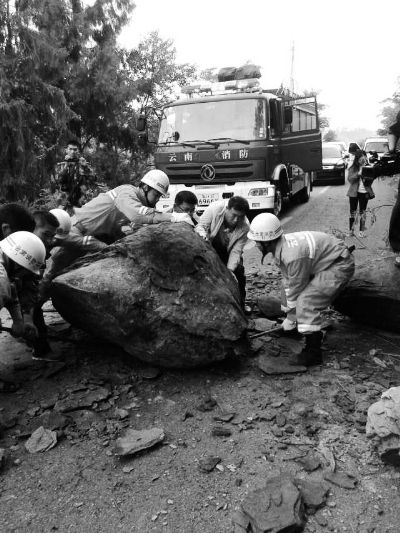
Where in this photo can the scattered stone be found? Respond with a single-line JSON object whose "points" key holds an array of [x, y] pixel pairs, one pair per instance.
{"points": [[314, 493], [263, 324], [221, 431], [208, 404], [121, 414], [2, 458], [41, 440], [81, 399], [277, 507], [134, 441], [127, 469], [269, 306], [208, 463], [310, 462], [256, 344], [186, 415], [383, 423], [278, 365], [280, 420], [341, 479], [52, 420], [224, 417], [277, 432], [149, 372], [321, 520]]}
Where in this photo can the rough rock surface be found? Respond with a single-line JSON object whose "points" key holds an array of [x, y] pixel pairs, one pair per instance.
{"points": [[277, 507], [383, 424], [373, 295], [162, 294], [135, 441]]}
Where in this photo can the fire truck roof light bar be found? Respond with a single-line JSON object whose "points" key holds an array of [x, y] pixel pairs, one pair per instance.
{"points": [[249, 85]]}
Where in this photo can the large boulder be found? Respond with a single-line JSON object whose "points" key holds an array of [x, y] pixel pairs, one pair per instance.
{"points": [[373, 295], [162, 294]]}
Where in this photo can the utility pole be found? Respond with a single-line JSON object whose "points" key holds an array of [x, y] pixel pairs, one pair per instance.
{"points": [[291, 70]]}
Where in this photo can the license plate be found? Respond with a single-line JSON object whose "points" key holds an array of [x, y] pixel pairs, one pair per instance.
{"points": [[205, 199]]}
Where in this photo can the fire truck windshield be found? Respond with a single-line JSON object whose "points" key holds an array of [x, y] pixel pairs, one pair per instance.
{"points": [[242, 119]]}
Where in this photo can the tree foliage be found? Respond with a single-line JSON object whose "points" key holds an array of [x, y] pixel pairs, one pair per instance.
{"points": [[63, 75], [390, 110]]}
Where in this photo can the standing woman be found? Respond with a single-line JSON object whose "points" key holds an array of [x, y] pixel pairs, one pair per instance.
{"points": [[359, 191]]}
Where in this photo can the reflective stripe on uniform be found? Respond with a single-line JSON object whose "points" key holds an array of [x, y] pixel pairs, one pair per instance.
{"points": [[311, 243], [308, 328], [112, 194], [86, 240], [291, 304], [144, 210]]}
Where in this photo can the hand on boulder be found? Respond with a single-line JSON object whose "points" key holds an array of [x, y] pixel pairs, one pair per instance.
{"points": [[181, 217]]}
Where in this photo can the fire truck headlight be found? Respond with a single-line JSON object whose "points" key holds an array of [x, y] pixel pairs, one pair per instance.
{"points": [[262, 191], [339, 165]]}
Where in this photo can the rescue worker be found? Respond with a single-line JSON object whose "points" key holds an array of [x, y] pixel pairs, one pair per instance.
{"points": [[15, 217], [315, 268], [26, 250], [186, 202], [75, 182], [27, 286], [99, 222], [226, 227], [41, 347]]}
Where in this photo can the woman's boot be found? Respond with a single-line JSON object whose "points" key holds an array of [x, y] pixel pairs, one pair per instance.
{"points": [[351, 226]]}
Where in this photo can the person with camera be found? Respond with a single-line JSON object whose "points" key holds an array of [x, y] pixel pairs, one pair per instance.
{"points": [[360, 190], [75, 181]]}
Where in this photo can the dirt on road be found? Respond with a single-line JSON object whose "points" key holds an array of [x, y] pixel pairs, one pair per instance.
{"points": [[256, 426]]}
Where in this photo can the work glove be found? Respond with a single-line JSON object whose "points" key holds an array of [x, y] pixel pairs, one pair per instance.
{"points": [[289, 324], [181, 217]]}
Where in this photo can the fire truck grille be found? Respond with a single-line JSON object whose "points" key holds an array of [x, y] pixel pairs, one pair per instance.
{"points": [[224, 172]]}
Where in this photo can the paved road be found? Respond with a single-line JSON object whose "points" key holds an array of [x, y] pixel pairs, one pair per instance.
{"points": [[328, 210]]}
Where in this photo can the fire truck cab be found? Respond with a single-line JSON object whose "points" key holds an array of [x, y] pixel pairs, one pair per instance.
{"points": [[233, 138]]}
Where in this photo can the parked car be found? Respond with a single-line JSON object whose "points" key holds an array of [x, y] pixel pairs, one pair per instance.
{"points": [[376, 145], [333, 164]]}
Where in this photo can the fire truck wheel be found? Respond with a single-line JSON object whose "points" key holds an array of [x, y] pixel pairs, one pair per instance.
{"points": [[304, 195]]}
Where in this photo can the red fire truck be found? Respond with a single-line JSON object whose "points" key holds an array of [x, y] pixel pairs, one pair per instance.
{"points": [[233, 138]]}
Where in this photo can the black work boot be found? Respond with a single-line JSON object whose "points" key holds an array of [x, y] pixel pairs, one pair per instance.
{"points": [[311, 353]]}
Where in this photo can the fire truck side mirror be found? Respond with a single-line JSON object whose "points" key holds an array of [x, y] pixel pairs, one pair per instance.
{"points": [[288, 115], [141, 123]]}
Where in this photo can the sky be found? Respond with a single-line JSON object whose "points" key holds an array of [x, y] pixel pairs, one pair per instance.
{"points": [[346, 50]]}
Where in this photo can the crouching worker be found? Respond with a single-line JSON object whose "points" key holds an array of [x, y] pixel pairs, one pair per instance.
{"points": [[226, 227], [315, 268], [99, 222], [26, 250]]}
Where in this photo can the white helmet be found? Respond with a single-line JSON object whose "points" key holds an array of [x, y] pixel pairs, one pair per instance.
{"points": [[265, 227], [156, 179], [26, 249], [65, 223]]}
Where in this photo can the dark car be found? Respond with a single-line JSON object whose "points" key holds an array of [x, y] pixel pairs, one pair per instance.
{"points": [[333, 164]]}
